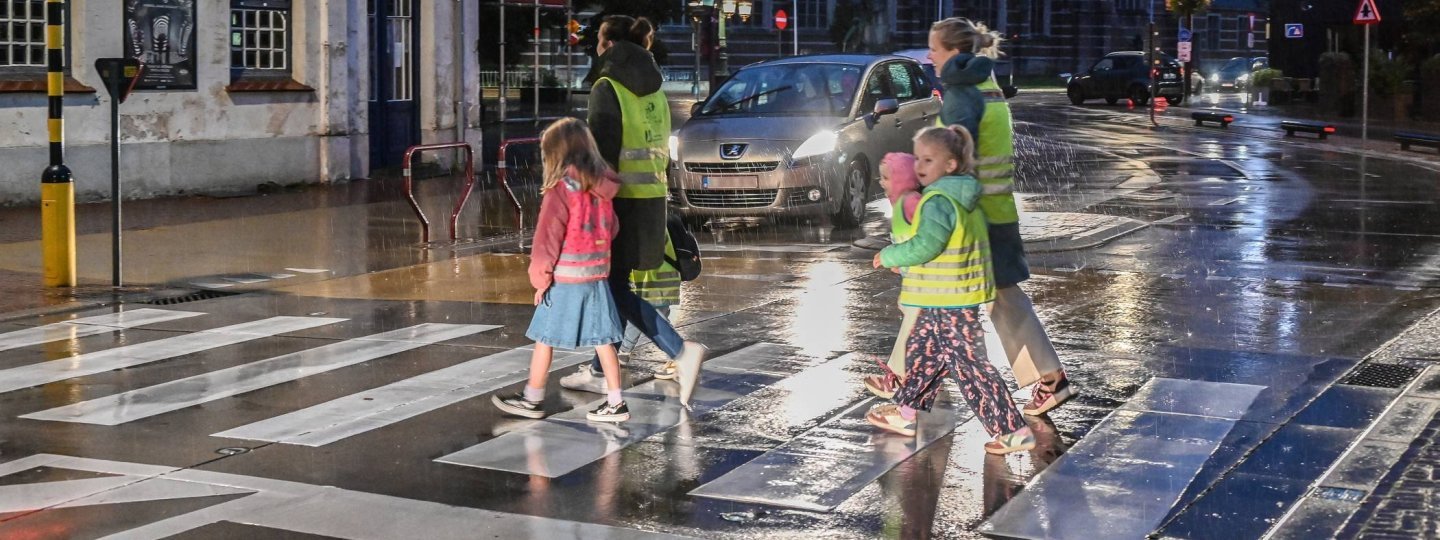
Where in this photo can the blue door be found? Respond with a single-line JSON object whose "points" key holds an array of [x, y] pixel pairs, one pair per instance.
{"points": [[394, 73]]}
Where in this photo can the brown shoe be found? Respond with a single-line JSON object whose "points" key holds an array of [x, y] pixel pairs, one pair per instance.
{"points": [[1021, 439]]}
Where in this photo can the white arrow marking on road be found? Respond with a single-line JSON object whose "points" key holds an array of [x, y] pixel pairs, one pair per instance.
{"points": [[179, 394], [89, 326], [152, 351]]}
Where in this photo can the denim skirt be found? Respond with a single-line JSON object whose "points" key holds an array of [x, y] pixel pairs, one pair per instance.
{"points": [[575, 315]]}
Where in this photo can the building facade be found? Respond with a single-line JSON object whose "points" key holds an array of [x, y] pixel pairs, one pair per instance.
{"points": [[238, 93]]}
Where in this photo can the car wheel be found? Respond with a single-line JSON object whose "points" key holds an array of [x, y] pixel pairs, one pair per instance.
{"points": [[852, 203], [1139, 95], [1111, 100], [1176, 100], [1077, 97]]}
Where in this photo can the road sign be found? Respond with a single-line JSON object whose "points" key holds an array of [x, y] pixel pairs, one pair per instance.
{"points": [[119, 75], [1367, 13], [1294, 30], [1183, 51], [1184, 35], [781, 19]]}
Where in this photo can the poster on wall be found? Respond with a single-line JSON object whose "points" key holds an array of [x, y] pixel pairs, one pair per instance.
{"points": [[161, 33]]}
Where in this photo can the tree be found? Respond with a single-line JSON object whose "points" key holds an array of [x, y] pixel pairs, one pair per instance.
{"points": [[1188, 9]]}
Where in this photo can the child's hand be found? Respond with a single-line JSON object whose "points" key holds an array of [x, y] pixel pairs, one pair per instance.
{"points": [[540, 295], [875, 263]]}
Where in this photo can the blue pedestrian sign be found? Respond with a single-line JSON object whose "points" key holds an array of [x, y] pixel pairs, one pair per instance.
{"points": [[1294, 30], [1183, 35]]}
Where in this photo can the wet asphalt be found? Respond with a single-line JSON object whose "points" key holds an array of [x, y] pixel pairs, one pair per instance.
{"points": [[1271, 262]]}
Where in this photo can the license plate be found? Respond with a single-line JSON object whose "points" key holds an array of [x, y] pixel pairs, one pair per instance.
{"points": [[730, 182], [1169, 76]]}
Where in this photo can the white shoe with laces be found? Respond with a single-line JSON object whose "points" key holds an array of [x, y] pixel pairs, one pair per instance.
{"points": [[584, 380]]}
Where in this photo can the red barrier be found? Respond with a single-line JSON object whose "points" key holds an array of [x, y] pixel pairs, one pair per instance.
{"points": [[501, 172], [464, 195]]}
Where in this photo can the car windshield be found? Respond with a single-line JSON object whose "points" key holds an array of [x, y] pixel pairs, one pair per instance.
{"points": [[787, 89], [1236, 66]]}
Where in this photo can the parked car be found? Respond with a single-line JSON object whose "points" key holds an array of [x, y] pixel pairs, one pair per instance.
{"points": [[1234, 75], [799, 135], [1124, 75]]}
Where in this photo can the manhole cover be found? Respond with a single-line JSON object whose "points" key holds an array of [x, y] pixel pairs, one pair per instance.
{"points": [[1382, 376]]}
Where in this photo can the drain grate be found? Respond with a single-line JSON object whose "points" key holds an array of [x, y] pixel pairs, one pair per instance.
{"points": [[1382, 376], [192, 297], [1338, 494]]}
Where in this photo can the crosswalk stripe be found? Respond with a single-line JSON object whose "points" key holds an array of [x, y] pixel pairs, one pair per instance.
{"points": [[373, 409], [179, 394], [565, 442], [850, 452], [1122, 479], [152, 351], [89, 326]]}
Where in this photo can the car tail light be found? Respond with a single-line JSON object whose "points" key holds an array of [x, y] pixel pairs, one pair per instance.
{"points": [[1329, 129], [1229, 119]]}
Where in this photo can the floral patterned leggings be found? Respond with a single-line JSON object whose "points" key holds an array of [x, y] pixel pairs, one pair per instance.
{"points": [[950, 341]]}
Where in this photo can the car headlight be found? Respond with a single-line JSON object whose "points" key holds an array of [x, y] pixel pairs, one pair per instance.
{"points": [[819, 143], [674, 149], [1215, 78]]}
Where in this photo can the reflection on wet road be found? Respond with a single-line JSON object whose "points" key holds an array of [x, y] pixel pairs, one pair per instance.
{"points": [[1207, 345]]}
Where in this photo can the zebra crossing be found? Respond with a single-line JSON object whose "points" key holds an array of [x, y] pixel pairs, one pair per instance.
{"points": [[551, 448]]}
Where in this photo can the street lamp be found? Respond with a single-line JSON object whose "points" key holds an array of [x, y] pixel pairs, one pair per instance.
{"points": [[746, 9]]}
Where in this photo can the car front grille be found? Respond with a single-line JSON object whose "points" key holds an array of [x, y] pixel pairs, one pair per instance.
{"points": [[731, 198], [732, 167]]}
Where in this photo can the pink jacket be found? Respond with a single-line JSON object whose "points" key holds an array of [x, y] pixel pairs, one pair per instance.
{"points": [[573, 232], [904, 188]]}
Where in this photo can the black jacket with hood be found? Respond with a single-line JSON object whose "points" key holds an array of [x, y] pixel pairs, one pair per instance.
{"points": [[640, 244]]}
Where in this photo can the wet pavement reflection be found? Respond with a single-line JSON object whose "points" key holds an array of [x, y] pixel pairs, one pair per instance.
{"points": [[1211, 347]]}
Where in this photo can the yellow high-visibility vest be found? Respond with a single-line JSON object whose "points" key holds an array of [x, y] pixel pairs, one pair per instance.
{"points": [[659, 286], [960, 276], [644, 150], [995, 147]]}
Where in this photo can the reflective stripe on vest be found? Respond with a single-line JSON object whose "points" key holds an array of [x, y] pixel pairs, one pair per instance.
{"points": [[585, 251], [644, 152], [961, 275], [995, 169], [660, 286]]}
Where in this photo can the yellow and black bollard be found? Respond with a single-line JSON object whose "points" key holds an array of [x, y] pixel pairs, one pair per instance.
{"points": [[57, 186]]}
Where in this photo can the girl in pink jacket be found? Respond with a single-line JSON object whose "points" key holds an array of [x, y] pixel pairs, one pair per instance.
{"points": [[568, 266]]}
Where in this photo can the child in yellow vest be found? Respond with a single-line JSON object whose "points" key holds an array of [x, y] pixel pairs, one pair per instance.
{"points": [[948, 276]]}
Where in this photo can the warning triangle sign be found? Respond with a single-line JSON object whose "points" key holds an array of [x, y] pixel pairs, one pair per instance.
{"points": [[1367, 13]]}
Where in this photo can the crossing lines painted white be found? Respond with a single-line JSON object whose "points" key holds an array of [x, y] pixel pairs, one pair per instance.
{"points": [[373, 409], [152, 351], [89, 326], [174, 395]]}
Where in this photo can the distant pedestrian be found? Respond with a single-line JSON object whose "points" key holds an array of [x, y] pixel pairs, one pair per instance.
{"points": [[948, 277], [902, 187], [631, 119], [1032, 357], [569, 263]]}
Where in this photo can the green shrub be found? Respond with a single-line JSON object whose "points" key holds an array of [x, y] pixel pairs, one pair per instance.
{"points": [[1430, 67], [1387, 77], [1261, 78]]}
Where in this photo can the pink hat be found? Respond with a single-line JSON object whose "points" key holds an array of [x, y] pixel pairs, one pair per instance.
{"points": [[899, 167]]}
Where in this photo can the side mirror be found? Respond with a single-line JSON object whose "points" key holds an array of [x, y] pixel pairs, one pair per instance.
{"points": [[695, 107], [886, 106]]}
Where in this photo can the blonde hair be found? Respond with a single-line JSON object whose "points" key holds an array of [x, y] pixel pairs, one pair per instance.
{"points": [[566, 143], [954, 139], [965, 36]]}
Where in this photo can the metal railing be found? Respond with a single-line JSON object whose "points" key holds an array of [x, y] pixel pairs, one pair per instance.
{"points": [[502, 167], [464, 195]]}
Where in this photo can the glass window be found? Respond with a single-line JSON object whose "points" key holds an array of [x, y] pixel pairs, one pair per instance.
{"points": [[22, 33], [1104, 64], [901, 81], [260, 37], [920, 80], [787, 89]]}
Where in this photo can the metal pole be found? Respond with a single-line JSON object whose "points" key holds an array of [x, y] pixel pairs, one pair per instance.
{"points": [[57, 185], [1365, 94], [535, 82], [569, 60], [1153, 60], [504, 88], [115, 229], [795, 6]]}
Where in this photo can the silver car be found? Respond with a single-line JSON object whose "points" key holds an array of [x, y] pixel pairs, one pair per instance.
{"points": [[800, 135]]}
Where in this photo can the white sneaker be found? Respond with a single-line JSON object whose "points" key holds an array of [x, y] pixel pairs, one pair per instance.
{"points": [[584, 380], [688, 364]]}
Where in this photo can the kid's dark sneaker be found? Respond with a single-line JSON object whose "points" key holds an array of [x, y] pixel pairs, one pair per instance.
{"points": [[606, 412], [519, 406]]}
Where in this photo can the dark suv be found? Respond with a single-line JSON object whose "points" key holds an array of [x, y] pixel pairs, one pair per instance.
{"points": [[1122, 75]]}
